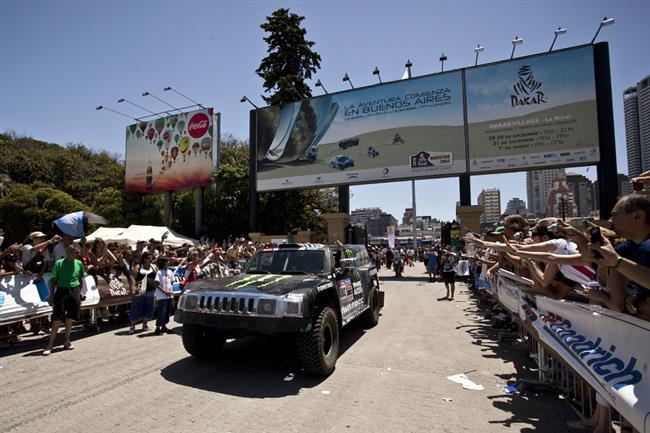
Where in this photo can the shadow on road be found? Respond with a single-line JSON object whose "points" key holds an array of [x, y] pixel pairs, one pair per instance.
{"points": [[544, 411], [253, 367]]}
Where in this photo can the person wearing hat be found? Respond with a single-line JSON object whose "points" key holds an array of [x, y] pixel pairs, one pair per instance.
{"points": [[35, 248]]}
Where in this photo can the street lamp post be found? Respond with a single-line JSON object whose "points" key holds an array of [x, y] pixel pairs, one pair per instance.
{"points": [[477, 50], [186, 97], [245, 98], [346, 77], [516, 41], [558, 32], [376, 72], [442, 62], [319, 84], [605, 22]]}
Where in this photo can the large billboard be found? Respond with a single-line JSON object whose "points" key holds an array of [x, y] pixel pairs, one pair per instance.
{"points": [[170, 153], [533, 112], [400, 130]]}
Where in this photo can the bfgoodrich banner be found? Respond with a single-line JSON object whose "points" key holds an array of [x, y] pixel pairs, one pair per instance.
{"points": [[170, 153], [608, 349], [404, 129], [533, 112]]}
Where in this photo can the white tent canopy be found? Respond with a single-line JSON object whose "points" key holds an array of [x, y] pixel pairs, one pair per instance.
{"points": [[135, 233]]}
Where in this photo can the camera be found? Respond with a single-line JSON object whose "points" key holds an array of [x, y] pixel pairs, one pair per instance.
{"points": [[595, 236]]}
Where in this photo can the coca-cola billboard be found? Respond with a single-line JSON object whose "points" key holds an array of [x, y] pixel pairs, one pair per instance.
{"points": [[199, 124], [170, 153]]}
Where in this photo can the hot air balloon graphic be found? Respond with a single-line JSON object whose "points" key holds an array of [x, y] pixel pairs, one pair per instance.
{"points": [[176, 138], [180, 126], [174, 152], [159, 144], [150, 134], [196, 147], [138, 134], [159, 124], [206, 145], [167, 137], [184, 146], [172, 121], [142, 126]]}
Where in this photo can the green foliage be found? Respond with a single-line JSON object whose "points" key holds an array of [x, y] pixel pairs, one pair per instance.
{"points": [[290, 61], [25, 209]]}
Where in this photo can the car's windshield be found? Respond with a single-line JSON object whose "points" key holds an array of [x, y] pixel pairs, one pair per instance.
{"points": [[288, 262]]}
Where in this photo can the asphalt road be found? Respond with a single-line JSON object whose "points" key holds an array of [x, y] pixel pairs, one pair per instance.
{"points": [[392, 378]]}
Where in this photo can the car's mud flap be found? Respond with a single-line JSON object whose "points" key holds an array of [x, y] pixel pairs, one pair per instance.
{"points": [[381, 299]]}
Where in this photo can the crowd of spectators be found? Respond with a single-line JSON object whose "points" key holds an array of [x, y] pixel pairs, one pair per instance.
{"points": [[140, 266], [582, 262]]}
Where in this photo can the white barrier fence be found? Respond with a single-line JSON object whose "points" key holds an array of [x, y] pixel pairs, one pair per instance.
{"points": [[608, 349], [23, 297]]}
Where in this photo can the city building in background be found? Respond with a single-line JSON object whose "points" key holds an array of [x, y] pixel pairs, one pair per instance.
{"points": [[374, 219], [623, 182], [516, 206], [490, 199], [584, 193], [636, 104], [407, 218], [561, 202], [538, 184]]}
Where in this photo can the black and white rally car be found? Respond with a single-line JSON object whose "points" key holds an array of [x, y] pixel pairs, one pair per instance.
{"points": [[309, 291]]}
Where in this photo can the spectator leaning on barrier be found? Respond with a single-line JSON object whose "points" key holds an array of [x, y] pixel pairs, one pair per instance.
{"points": [[630, 219], [65, 295]]}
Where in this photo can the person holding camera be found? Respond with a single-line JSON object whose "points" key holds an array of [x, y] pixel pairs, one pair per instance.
{"points": [[65, 295]]}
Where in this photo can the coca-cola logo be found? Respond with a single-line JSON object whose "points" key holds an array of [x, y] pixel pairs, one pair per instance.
{"points": [[198, 126]]}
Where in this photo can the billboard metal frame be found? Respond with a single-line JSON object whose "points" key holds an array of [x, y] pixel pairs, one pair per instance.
{"points": [[606, 167]]}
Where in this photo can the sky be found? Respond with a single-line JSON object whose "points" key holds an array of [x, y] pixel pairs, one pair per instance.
{"points": [[61, 59]]}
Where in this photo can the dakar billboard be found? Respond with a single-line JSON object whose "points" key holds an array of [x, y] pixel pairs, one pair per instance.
{"points": [[170, 153], [399, 130], [533, 112]]}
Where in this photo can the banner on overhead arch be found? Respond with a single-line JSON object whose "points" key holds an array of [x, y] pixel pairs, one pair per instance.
{"points": [[533, 112], [170, 153], [608, 349], [400, 130]]}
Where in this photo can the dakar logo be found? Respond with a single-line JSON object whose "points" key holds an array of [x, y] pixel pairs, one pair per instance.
{"points": [[527, 89]]}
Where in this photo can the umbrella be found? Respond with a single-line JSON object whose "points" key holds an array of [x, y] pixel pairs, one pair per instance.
{"points": [[75, 224]]}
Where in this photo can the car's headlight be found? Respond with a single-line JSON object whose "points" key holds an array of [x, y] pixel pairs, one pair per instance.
{"points": [[293, 304], [189, 303]]}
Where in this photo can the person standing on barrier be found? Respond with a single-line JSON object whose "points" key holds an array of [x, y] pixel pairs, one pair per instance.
{"points": [[65, 295], [163, 295]]}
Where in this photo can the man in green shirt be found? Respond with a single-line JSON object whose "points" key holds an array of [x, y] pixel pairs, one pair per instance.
{"points": [[65, 295]]}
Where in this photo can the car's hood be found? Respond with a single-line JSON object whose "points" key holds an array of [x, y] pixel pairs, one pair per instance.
{"points": [[255, 283]]}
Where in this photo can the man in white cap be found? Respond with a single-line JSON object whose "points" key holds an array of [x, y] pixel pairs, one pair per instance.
{"points": [[37, 244]]}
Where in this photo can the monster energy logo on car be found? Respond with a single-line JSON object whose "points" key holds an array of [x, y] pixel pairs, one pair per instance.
{"points": [[527, 89]]}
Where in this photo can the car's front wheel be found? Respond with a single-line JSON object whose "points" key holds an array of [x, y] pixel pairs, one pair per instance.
{"points": [[370, 317], [202, 341], [318, 349]]}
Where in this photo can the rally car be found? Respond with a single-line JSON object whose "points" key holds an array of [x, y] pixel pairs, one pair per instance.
{"points": [[307, 291], [341, 162]]}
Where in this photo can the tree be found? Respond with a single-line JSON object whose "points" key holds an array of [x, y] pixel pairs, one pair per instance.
{"points": [[290, 60]]}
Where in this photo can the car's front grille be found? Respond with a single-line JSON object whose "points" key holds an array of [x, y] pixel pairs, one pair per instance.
{"points": [[227, 304]]}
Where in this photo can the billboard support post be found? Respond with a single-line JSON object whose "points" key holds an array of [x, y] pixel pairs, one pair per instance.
{"points": [[344, 198], [465, 190], [167, 200], [198, 212], [606, 168], [415, 220], [252, 175]]}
